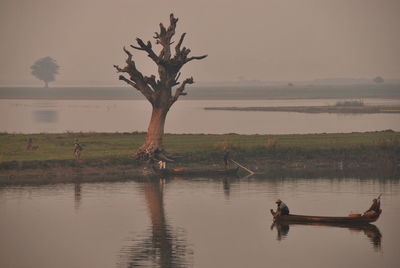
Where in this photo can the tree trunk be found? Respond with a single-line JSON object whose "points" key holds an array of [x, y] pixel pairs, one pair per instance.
{"points": [[153, 145]]}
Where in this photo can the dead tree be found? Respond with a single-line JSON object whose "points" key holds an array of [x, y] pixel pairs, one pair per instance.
{"points": [[161, 92]]}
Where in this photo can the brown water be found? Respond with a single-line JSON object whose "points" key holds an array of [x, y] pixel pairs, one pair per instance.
{"points": [[187, 116], [196, 223]]}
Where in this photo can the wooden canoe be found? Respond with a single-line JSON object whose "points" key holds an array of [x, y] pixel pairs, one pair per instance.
{"points": [[361, 219], [195, 172]]}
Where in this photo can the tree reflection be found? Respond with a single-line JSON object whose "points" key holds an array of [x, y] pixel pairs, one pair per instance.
{"points": [[370, 230], [160, 245]]}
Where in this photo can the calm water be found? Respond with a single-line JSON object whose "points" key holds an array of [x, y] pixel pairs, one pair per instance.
{"points": [[195, 223], [186, 116]]}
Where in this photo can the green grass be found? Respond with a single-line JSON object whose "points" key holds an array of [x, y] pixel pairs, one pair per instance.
{"points": [[98, 146]]}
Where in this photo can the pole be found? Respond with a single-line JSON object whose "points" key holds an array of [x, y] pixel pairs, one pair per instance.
{"points": [[248, 170]]}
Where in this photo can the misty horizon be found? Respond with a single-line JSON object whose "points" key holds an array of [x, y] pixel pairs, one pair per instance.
{"points": [[279, 41], [238, 82]]}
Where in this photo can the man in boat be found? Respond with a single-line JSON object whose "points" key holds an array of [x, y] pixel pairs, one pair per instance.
{"points": [[281, 209], [375, 207]]}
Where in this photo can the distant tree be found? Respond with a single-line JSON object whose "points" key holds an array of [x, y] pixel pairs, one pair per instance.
{"points": [[378, 80], [290, 84], [162, 91], [45, 69]]}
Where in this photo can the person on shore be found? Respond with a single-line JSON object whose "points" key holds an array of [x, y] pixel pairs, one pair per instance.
{"points": [[226, 157], [29, 144], [281, 209], [162, 164], [77, 149], [375, 207]]}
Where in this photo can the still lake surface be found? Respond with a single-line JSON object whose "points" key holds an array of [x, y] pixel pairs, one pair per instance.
{"points": [[186, 116], [196, 223]]}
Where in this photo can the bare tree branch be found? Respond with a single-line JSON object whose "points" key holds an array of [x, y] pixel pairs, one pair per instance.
{"points": [[164, 37], [147, 92], [181, 55], [177, 76], [196, 58], [136, 77], [172, 26], [148, 48], [152, 82], [180, 90], [119, 70], [178, 46], [129, 82]]}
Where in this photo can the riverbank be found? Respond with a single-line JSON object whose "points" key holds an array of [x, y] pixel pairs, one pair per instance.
{"points": [[107, 156], [365, 109]]}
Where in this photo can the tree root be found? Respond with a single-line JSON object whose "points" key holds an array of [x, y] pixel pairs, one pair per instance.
{"points": [[152, 154]]}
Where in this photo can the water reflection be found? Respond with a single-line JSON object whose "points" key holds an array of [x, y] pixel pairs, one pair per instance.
{"points": [[45, 116], [227, 187], [77, 195], [370, 230], [160, 245]]}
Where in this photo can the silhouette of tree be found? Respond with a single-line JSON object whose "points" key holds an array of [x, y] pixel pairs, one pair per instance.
{"points": [[158, 91], [378, 80], [45, 69]]}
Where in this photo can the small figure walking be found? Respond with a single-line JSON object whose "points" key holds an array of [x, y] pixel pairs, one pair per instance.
{"points": [[162, 164], [29, 144], [77, 149], [226, 157]]}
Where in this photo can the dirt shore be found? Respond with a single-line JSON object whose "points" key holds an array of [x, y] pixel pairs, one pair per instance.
{"points": [[263, 168]]}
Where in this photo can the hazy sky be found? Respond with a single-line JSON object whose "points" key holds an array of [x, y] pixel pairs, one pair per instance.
{"points": [[252, 39]]}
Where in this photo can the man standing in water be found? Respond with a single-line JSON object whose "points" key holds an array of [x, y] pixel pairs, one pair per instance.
{"points": [[226, 157]]}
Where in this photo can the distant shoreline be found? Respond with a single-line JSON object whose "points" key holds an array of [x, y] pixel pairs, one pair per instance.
{"points": [[367, 109], [186, 98], [382, 91]]}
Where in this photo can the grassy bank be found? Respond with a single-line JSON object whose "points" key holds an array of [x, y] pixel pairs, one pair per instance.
{"points": [[105, 148], [107, 157]]}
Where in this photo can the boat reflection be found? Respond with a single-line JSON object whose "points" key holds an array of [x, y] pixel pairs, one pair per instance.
{"points": [[370, 230], [160, 245]]}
